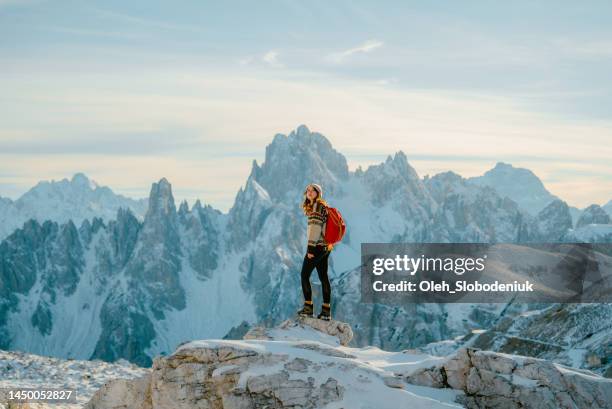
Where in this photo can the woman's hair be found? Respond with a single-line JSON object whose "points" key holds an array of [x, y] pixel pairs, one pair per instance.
{"points": [[307, 204]]}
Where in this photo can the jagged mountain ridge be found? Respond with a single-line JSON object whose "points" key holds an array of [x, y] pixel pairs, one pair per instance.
{"points": [[519, 184], [76, 199], [134, 289]]}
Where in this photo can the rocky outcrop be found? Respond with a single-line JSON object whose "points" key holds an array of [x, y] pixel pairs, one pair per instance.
{"points": [[334, 329], [292, 366], [491, 379], [302, 364]]}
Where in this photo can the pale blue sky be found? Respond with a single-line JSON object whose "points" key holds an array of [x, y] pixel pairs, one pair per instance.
{"points": [[128, 92]]}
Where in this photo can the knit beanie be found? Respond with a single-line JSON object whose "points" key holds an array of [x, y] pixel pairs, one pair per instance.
{"points": [[317, 188]]}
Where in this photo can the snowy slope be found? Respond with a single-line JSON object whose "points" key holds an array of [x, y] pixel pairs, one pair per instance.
{"points": [[76, 199], [22, 370], [576, 335]]}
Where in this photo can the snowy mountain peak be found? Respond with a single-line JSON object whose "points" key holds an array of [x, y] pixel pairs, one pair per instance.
{"points": [[76, 199], [502, 167], [519, 184], [395, 166], [305, 138], [302, 130], [161, 199], [183, 208], [443, 184], [81, 180], [293, 161], [503, 171], [594, 214], [399, 162], [554, 220], [448, 177]]}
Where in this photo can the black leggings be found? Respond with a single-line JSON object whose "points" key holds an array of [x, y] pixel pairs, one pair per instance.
{"points": [[319, 261]]}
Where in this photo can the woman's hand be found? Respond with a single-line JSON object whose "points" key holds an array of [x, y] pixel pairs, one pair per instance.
{"points": [[309, 255]]}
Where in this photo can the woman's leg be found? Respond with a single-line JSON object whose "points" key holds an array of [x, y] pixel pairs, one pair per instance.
{"points": [[322, 271], [307, 268]]}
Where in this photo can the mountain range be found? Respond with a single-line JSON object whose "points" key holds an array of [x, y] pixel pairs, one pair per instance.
{"points": [[76, 199], [90, 274]]}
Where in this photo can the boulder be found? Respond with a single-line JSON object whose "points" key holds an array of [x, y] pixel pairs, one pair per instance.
{"points": [[491, 379], [294, 329]]}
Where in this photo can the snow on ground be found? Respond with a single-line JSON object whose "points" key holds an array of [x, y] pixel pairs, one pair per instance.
{"points": [[371, 377], [19, 369], [362, 371]]}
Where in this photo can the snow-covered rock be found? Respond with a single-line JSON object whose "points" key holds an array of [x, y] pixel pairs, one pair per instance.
{"points": [[334, 329], [295, 369], [496, 380], [77, 199], [300, 365]]}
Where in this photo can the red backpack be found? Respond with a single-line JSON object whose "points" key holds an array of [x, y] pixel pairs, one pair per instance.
{"points": [[335, 226]]}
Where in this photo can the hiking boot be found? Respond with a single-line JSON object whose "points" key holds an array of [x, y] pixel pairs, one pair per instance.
{"points": [[307, 310], [325, 312]]}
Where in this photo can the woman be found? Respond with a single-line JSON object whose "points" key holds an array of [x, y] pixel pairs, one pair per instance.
{"points": [[317, 253]]}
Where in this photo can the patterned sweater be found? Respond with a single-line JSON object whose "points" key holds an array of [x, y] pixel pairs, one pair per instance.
{"points": [[317, 220]]}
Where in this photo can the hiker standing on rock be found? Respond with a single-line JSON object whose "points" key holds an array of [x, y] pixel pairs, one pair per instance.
{"points": [[317, 254]]}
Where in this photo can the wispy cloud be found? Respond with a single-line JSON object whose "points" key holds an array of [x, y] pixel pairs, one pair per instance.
{"points": [[271, 58], [366, 47], [192, 128]]}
